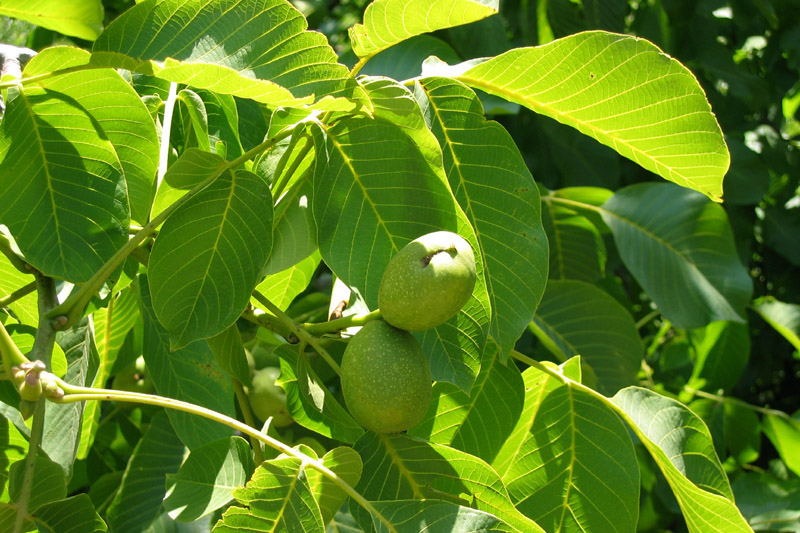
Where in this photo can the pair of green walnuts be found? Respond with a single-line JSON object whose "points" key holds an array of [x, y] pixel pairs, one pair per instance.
{"points": [[386, 378]]}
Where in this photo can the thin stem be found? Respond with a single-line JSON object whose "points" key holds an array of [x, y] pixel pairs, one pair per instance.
{"points": [[546, 341], [45, 335], [17, 294], [666, 326], [247, 413], [358, 66], [647, 318], [166, 129], [573, 203], [81, 394], [72, 308], [271, 323], [737, 401], [648, 372], [332, 326], [30, 465], [300, 333], [7, 249]]}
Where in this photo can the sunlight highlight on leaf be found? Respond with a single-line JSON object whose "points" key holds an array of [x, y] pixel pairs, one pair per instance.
{"points": [[258, 49], [681, 446], [388, 22], [622, 91]]}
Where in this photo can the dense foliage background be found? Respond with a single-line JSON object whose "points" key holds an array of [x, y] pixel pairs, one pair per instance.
{"points": [[742, 378]]}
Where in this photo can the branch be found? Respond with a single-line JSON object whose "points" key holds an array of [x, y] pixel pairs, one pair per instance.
{"points": [[30, 466], [81, 394]]}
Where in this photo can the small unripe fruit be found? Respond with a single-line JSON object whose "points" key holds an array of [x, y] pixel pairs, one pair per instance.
{"points": [[133, 378], [386, 380], [268, 399], [427, 282]]}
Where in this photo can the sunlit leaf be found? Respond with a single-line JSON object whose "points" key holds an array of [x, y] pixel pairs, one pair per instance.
{"points": [[784, 317], [682, 448], [111, 325], [65, 198], [784, 433], [401, 467], [434, 516], [257, 49], [279, 499], [362, 221], [11, 280], [127, 123], [576, 470], [496, 191], [476, 423], [346, 464], [454, 348], [622, 91], [283, 287], [77, 18], [387, 22]]}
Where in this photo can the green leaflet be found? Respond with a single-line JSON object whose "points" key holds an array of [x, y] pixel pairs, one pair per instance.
{"points": [[451, 358], [206, 478], [402, 467], [620, 90], [77, 18], [279, 499], [127, 123], [189, 374], [476, 423], [141, 492], [63, 189], [208, 257], [580, 319], [388, 22], [680, 248], [682, 448], [569, 463], [493, 186]]}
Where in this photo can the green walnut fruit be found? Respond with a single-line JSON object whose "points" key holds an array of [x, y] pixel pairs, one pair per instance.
{"points": [[427, 282], [386, 380], [134, 378], [267, 399]]}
